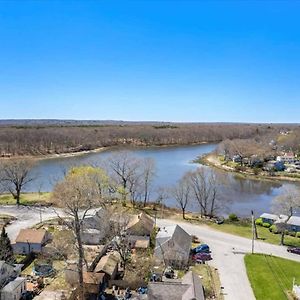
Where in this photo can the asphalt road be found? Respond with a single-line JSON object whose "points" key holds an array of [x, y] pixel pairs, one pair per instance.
{"points": [[227, 250], [228, 257]]}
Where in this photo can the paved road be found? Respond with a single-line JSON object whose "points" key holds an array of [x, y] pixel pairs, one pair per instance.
{"points": [[227, 250], [228, 257]]}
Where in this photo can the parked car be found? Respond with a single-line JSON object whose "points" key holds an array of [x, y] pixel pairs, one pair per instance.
{"points": [[202, 257], [293, 250], [203, 248], [219, 220]]}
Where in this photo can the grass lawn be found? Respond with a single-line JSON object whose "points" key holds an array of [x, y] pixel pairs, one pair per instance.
{"points": [[271, 277], [210, 280], [245, 230], [26, 198]]}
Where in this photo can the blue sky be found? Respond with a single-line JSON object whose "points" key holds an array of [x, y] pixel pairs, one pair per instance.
{"points": [[235, 61]]}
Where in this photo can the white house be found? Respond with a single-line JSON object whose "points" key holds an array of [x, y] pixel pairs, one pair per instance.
{"points": [[173, 246], [30, 240], [14, 289]]}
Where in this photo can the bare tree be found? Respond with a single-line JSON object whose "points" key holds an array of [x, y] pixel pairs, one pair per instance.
{"points": [[182, 194], [119, 225], [77, 194], [286, 204], [15, 175], [148, 173], [204, 187], [123, 167]]}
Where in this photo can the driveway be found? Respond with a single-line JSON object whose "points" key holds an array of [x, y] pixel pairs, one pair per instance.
{"points": [[228, 257]]}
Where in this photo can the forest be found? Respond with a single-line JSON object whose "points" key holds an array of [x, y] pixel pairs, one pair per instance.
{"points": [[35, 139]]}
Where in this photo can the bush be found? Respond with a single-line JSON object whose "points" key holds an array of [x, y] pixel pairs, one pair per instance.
{"points": [[239, 168], [259, 221], [233, 218], [274, 229], [292, 233], [298, 234], [256, 171], [266, 225]]}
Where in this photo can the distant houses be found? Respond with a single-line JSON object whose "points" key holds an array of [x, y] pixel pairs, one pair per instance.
{"points": [[14, 289], [293, 224]]}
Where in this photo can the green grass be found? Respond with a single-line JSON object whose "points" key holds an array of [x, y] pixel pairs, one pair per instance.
{"points": [[271, 277], [245, 230], [26, 198]]}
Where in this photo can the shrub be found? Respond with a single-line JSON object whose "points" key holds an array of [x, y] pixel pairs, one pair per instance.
{"points": [[298, 234], [256, 171], [233, 218], [292, 233], [274, 229], [267, 225], [259, 221]]}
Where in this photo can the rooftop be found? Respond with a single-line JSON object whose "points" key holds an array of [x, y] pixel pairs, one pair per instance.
{"points": [[34, 236]]}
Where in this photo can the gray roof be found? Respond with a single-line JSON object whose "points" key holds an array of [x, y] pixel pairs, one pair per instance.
{"points": [[10, 287], [178, 236], [166, 290], [269, 216], [189, 289], [294, 220]]}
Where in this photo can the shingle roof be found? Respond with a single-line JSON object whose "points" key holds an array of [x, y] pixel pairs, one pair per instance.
{"points": [[143, 220], [108, 263], [92, 277], [35, 236], [294, 220], [269, 216], [11, 286]]}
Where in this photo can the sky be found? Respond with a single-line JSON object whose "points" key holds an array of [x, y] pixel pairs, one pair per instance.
{"points": [[182, 61]]}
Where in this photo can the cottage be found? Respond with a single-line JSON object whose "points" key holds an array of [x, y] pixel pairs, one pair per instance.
{"points": [[30, 240], [14, 289], [189, 288], [173, 246], [140, 225], [293, 224], [108, 264], [269, 218]]}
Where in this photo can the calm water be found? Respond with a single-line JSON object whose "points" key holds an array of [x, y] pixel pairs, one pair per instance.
{"points": [[237, 195]]}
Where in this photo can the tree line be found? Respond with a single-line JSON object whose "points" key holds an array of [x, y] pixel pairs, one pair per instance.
{"points": [[43, 140]]}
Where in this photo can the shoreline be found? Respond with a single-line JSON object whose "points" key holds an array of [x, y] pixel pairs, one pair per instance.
{"points": [[211, 160], [98, 150]]}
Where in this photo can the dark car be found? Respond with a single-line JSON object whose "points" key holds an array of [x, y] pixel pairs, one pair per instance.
{"points": [[293, 250], [203, 248], [199, 257]]}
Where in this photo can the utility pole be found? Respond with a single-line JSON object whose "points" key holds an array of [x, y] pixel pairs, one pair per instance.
{"points": [[253, 233]]}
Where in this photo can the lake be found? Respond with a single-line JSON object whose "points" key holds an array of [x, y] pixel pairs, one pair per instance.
{"points": [[236, 194]]}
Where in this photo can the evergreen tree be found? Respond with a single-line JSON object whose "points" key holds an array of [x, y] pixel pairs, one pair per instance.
{"points": [[6, 251]]}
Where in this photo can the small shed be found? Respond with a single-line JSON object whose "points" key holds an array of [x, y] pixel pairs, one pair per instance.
{"points": [[108, 264]]}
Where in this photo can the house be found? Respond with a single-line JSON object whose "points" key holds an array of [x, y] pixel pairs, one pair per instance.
{"points": [[274, 165], [14, 289], [287, 157], [269, 218], [7, 273], [190, 288], [140, 225], [173, 246], [95, 228], [138, 242], [293, 224], [108, 264], [94, 283], [30, 240], [237, 158], [93, 254]]}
